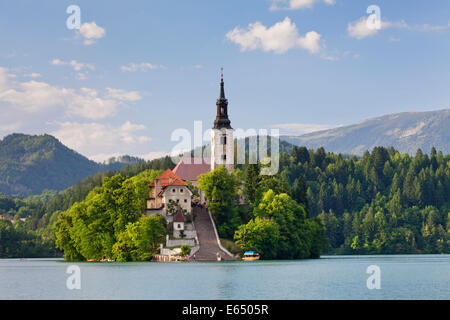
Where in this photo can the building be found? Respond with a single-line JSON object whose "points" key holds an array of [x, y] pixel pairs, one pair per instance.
{"points": [[222, 142], [222, 147], [190, 169], [166, 188], [178, 221]]}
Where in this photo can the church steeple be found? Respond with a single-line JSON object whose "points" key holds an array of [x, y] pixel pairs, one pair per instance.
{"points": [[222, 120]]}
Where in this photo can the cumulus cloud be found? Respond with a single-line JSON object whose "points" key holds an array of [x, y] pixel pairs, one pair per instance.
{"points": [[296, 4], [35, 96], [279, 38], [301, 128], [142, 67], [77, 66], [123, 95], [33, 75], [95, 139], [359, 30], [91, 32]]}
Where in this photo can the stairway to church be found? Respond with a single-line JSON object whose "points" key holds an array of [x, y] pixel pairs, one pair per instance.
{"points": [[207, 237]]}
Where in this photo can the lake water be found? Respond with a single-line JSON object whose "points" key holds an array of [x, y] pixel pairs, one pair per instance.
{"points": [[330, 277]]}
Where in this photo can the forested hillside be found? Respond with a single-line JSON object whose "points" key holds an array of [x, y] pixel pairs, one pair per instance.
{"points": [[37, 233], [384, 202], [31, 164]]}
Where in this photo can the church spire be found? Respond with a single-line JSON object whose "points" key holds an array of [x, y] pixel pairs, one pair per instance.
{"points": [[222, 120], [222, 90]]}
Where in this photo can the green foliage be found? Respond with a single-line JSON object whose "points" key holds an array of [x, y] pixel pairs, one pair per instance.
{"points": [[261, 235], [140, 240], [109, 222], [16, 241], [221, 189], [42, 211], [380, 203], [185, 250], [31, 164], [299, 236], [252, 179]]}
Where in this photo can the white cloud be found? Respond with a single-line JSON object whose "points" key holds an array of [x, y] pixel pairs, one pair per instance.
{"points": [[359, 30], [10, 127], [91, 32], [33, 75], [301, 128], [296, 4], [95, 139], [35, 96], [278, 38], [123, 95], [142, 67], [77, 66]]}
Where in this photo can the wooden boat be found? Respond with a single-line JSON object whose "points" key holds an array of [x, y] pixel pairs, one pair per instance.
{"points": [[250, 256]]}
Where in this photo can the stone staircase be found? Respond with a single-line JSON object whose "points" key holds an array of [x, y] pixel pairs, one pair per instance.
{"points": [[206, 234]]}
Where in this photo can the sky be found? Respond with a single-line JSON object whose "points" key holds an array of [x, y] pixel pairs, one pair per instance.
{"points": [[136, 71]]}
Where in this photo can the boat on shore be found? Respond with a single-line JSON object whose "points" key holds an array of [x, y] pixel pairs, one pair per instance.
{"points": [[250, 256]]}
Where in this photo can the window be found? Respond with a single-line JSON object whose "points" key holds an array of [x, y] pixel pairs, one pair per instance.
{"points": [[173, 190], [181, 190], [223, 139], [224, 157], [178, 200], [185, 200], [179, 226]]}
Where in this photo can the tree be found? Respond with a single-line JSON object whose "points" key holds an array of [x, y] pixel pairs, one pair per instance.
{"points": [[260, 235], [252, 179], [299, 192], [140, 240], [220, 188], [298, 235], [185, 250]]}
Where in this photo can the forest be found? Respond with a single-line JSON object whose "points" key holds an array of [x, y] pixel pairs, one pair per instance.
{"points": [[381, 203]]}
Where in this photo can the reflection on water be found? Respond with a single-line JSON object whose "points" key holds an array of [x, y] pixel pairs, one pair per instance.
{"points": [[331, 277]]}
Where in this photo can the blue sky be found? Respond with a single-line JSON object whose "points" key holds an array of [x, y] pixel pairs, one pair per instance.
{"points": [[138, 70]]}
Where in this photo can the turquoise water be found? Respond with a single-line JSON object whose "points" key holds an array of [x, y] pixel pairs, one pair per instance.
{"points": [[331, 277]]}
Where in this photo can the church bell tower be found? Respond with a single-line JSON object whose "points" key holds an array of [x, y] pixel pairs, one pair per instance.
{"points": [[222, 142]]}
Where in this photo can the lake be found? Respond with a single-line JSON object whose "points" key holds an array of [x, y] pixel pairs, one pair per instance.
{"points": [[330, 277]]}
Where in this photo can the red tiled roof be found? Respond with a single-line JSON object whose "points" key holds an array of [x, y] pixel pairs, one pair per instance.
{"points": [[191, 168], [168, 178], [179, 217]]}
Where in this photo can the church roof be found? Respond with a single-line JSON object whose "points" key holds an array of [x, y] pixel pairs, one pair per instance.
{"points": [[169, 178], [179, 217], [191, 168]]}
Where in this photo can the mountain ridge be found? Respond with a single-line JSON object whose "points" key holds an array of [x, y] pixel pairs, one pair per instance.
{"points": [[405, 131], [30, 164]]}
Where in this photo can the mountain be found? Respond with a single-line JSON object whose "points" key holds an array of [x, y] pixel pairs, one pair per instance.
{"points": [[405, 131], [31, 164]]}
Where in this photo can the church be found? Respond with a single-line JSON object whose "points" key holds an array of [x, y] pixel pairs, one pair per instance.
{"points": [[172, 185]]}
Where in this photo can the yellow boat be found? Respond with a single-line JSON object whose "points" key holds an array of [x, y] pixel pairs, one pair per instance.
{"points": [[250, 256]]}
